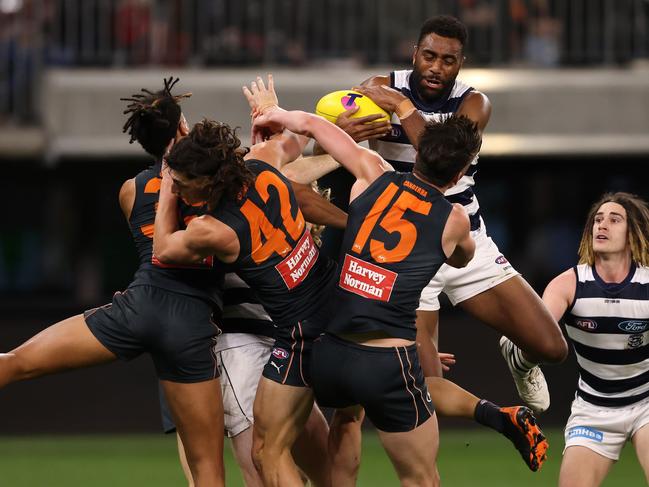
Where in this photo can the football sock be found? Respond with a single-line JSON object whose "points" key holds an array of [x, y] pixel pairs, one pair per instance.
{"points": [[488, 414]]}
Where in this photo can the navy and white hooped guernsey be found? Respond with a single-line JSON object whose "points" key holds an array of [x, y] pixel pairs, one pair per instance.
{"points": [[608, 325], [398, 151]]}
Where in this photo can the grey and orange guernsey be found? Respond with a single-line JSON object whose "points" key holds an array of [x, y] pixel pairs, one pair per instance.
{"points": [[279, 260], [167, 310], [198, 280], [608, 325], [391, 249]]}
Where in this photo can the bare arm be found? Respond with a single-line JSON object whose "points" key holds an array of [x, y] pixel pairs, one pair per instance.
{"points": [[305, 170], [457, 242], [279, 150], [127, 197], [393, 101], [202, 238], [477, 107], [317, 209], [559, 293], [364, 164], [275, 147]]}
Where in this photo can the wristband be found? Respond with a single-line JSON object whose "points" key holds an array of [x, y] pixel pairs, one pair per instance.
{"points": [[405, 109]]}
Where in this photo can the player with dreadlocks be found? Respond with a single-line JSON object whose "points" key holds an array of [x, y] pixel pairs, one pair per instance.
{"points": [[166, 311], [240, 349]]}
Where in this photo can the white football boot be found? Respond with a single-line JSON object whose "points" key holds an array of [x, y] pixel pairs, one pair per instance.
{"points": [[531, 385]]}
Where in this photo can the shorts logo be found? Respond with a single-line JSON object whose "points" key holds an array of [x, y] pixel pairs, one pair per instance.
{"points": [[585, 432], [278, 367], [367, 280], [586, 324], [428, 398], [501, 260], [280, 353], [636, 341], [633, 326], [296, 266]]}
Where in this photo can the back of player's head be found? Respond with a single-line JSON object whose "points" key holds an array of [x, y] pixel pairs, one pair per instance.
{"points": [[444, 26], [637, 218], [154, 118], [212, 149], [446, 148]]}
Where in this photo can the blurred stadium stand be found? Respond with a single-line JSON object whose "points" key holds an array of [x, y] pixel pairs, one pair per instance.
{"points": [[568, 79]]}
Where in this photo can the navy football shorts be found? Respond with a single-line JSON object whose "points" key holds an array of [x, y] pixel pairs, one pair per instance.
{"points": [[290, 358], [386, 381], [176, 329]]}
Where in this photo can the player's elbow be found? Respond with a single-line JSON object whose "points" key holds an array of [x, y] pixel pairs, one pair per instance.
{"points": [[163, 253]]}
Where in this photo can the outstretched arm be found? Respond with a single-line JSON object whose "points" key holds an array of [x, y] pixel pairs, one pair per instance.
{"points": [[305, 170], [364, 164], [273, 146], [316, 209]]}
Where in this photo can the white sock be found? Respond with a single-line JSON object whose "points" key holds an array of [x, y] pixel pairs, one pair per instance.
{"points": [[520, 363]]}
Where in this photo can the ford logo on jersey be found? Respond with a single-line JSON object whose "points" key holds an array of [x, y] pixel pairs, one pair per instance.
{"points": [[633, 326]]}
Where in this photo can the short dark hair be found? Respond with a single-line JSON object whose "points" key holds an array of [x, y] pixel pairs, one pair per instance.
{"points": [[213, 149], [446, 147], [154, 118], [445, 26]]}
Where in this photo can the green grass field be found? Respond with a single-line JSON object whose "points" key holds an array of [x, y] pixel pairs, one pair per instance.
{"points": [[467, 458]]}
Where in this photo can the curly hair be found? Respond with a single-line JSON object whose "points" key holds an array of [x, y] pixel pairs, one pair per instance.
{"points": [[212, 149], [446, 147], [637, 215], [154, 117], [444, 26]]}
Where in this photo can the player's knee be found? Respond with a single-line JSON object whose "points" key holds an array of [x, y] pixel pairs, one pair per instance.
{"points": [[555, 350], [257, 453], [423, 478], [14, 368]]}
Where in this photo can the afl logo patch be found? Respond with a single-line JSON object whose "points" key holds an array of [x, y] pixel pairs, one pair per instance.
{"points": [[636, 341], [395, 132], [632, 326], [501, 260], [280, 353], [586, 324]]}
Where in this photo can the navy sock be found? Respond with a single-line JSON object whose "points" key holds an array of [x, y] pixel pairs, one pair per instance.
{"points": [[488, 414]]}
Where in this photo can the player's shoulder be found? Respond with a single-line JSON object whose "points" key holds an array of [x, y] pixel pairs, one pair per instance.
{"points": [[564, 284], [127, 197], [377, 80], [476, 99], [458, 218], [641, 275]]}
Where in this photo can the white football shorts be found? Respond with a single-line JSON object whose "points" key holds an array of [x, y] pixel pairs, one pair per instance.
{"points": [[487, 269], [240, 368], [604, 430]]}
